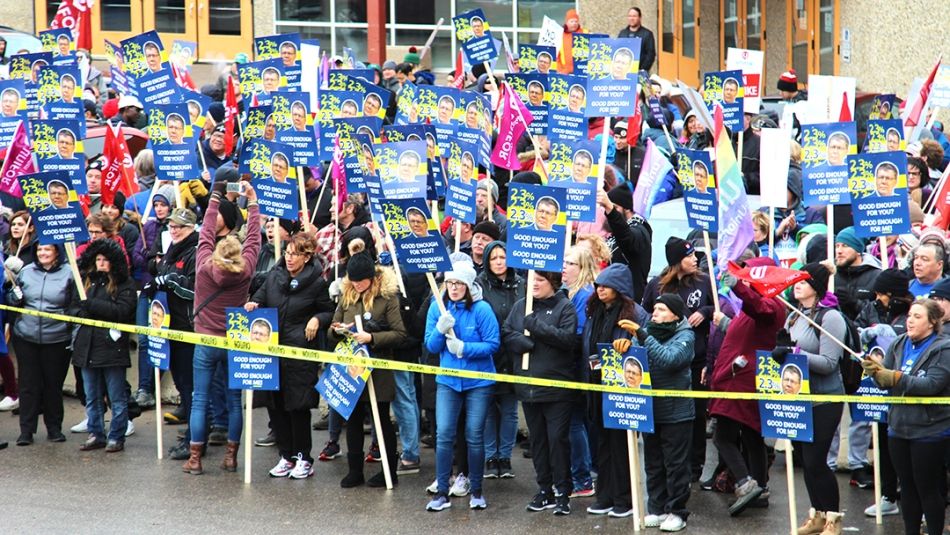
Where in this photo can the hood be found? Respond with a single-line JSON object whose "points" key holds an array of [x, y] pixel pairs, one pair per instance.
{"points": [[617, 277], [795, 184], [119, 267], [814, 228], [60, 257], [354, 232], [830, 300]]}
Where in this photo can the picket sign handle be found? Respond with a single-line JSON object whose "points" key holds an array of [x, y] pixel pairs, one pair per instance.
{"points": [[528, 309], [882, 244], [821, 329], [276, 240], [435, 210], [70, 247], [876, 444], [458, 234], [669, 138], [29, 219], [158, 413], [633, 463], [830, 240], [431, 38], [323, 188], [302, 188], [437, 297], [712, 274], [771, 232], [392, 254], [739, 149], [602, 164], [179, 203], [790, 482], [148, 204], [931, 203], [248, 429], [376, 421]]}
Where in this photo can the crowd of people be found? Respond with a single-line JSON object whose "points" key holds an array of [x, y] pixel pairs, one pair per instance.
{"points": [[207, 246]]}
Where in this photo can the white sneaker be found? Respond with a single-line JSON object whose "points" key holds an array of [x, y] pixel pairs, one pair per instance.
{"points": [[673, 523], [887, 508], [283, 468], [81, 427], [302, 470], [9, 404], [130, 429], [461, 487], [654, 521], [433, 488]]}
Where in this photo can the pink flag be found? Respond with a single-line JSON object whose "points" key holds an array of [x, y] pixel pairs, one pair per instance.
{"points": [[514, 120], [19, 161], [324, 72], [338, 174]]}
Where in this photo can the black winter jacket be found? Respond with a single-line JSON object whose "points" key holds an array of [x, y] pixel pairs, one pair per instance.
{"points": [[502, 295]]}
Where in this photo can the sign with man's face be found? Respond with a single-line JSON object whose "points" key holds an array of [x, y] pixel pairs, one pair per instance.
{"points": [[784, 419], [144, 54], [879, 198], [573, 166], [825, 148], [173, 143], [630, 370], [567, 104], [54, 207], [252, 370], [419, 246], [697, 175], [472, 31], [612, 76], [159, 349], [536, 227], [725, 88]]}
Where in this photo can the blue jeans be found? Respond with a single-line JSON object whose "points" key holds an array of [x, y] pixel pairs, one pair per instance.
{"points": [[207, 360], [501, 426], [580, 449], [146, 375], [99, 381], [448, 405], [406, 410]]}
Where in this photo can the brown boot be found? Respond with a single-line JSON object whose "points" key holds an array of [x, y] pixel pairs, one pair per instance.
{"points": [[815, 523], [833, 522], [193, 464], [229, 464]]}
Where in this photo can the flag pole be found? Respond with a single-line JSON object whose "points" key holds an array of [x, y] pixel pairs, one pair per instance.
{"points": [[821, 329]]}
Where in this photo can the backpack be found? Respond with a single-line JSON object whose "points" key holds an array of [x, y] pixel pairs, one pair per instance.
{"points": [[850, 368]]}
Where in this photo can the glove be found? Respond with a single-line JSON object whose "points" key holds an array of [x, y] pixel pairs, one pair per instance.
{"points": [[160, 281], [880, 330], [198, 188], [779, 354], [335, 291], [13, 264], [445, 323], [17, 293], [871, 366], [629, 326], [530, 322], [220, 187], [455, 346], [621, 345], [728, 281], [186, 197], [783, 338], [887, 378], [641, 335]]}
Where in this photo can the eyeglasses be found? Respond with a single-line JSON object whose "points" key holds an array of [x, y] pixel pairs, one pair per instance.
{"points": [[454, 284], [173, 226]]}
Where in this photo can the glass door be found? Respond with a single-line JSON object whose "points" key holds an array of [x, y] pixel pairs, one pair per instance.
{"points": [[224, 28], [679, 40], [813, 42], [172, 19]]}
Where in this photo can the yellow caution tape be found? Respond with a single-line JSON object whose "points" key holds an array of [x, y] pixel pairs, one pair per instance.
{"points": [[312, 355]]}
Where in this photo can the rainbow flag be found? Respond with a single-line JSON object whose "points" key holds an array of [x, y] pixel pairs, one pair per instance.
{"points": [[735, 215]]}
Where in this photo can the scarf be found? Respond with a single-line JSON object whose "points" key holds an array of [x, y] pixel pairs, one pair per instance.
{"points": [[662, 331]]}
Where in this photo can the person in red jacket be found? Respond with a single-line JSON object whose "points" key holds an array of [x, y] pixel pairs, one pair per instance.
{"points": [[737, 421]]}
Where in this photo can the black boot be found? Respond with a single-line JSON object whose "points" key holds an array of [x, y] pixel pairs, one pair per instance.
{"points": [[355, 476]]}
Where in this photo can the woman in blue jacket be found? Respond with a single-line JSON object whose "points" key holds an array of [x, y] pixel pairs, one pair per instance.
{"points": [[465, 336]]}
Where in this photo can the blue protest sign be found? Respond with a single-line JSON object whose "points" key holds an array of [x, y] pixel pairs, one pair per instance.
{"points": [[198, 105], [885, 135], [294, 125], [159, 349], [273, 177], [261, 77], [403, 169], [726, 88], [573, 165], [472, 31], [419, 245], [8, 127], [375, 100], [407, 108], [158, 88], [825, 148], [173, 143], [784, 419], [612, 75], [536, 227], [58, 146], [532, 89], [373, 186], [463, 181], [869, 412], [478, 138], [12, 102], [67, 111], [54, 207], [143, 54], [342, 385], [631, 370], [697, 175], [285, 47], [879, 200], [59, 41], [567, 103], [536, 58], [58, 83], [581, 50], [334, 105], [247, 370], [256, 122], [883, 108]]}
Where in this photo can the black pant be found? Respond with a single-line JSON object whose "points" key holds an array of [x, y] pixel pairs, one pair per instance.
{"points": [[80, 385], [698, 454], [920, 467], [666, 454], [819, 478], [292, 428], [354, 430], [752, 459], [43, 369], [549, 425], [888, 474], [181, 362], [613, 475]]}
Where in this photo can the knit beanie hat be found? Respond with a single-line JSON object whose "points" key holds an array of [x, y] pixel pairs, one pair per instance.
{"points": [[489, 185], [894, 282], [674, 303], [462, 272], [677, 249], [788, 81], [819, 277], [389, 65], [621, 196], [228, 211], [489, 229], [360, 267], [847, 236], [165, 194], [412, 56], [941, 290]]}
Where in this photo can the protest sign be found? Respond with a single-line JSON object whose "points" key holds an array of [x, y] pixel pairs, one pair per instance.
{"points": [[262, 78], [552, 34], [372, 185], [581, 50], [419, 245], [726, 89], [532, 89], [272, 176], [171, 135], [159, 349], [256, 122], [247, 370], [536, 227], [612, 77], [478, 116], [698, 177], [573, 166], [869, 412], [885, 135], [158, 87], [878, 186], [460, 192], [884, 107], [750, 63], [827, 95], [567, 102], [12, 102], [825, 148], [58, 147], [407, 108], [143, 54], [536, 58], [341, 385], [774, 154], [120, 81], [182, 53], [403, 169], [784, 419], [285, 47], [375, 99], [940, 90], [295, 126], [25, 66], [59, 41], [58, 83], [54, 207], [334, 105], [198, 105], [474, 35], [631, 370]]}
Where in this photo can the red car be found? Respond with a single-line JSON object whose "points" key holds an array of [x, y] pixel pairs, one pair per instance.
{"points": [[96, 135]]}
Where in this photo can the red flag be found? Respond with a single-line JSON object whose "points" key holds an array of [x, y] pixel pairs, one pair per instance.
{"points": [[913, 117], [117, 169], [459, 81], [75, 15], [18, 161], [941, 202], [634, 123], [718, 124], [183, 77], [845, 115], [230, 116], [769, 281]]}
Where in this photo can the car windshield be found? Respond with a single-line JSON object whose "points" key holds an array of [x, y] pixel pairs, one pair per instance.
{"points": [[17, 41]]}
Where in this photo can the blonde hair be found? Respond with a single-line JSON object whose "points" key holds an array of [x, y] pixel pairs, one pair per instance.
{"points": [[227, 255], [761, 221], [796, 151], [383, 284], [598, 247], [587, 267]]}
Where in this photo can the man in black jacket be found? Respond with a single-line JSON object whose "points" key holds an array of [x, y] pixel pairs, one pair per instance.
{"points": [[631, 238], [647, 42]]}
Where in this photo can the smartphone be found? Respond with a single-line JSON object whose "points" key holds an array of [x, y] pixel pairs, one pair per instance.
{"points": [[234, 187]]}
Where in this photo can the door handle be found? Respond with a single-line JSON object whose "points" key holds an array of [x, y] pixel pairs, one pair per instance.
{"points": [[200, 7], [191, 8]]}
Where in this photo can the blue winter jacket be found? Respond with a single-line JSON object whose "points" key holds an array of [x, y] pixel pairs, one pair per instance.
{"points": [[478, 328]]}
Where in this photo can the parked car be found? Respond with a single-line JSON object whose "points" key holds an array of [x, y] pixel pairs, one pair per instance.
{"points": [[773, 106], [17, 40], [96, 137]]}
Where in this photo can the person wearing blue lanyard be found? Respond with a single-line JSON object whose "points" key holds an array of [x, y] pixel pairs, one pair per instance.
{"points": [[918, 364]]}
